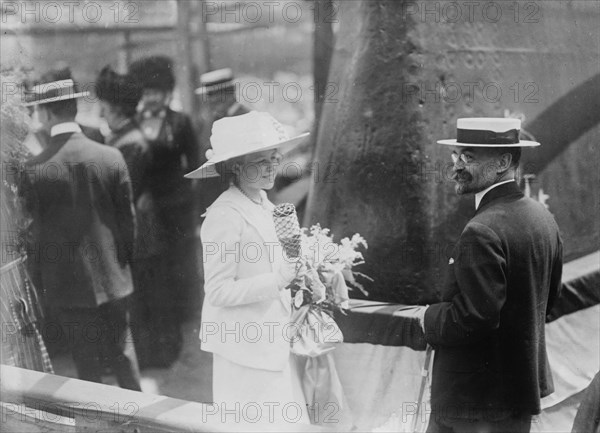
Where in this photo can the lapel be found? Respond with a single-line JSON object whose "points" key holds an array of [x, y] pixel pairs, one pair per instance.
{"points": [[54, 145], [253, 214], [510, 189], [258, 218]]}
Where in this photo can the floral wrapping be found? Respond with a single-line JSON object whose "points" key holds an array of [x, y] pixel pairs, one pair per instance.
{"points": [[319, 290]]}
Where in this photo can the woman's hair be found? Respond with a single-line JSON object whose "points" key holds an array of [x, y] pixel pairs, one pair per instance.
{"points": [[226, 169], [154, 72], [121, 91]]}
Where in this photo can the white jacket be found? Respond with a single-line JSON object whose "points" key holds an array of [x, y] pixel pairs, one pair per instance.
{"points": [[245, 317]]}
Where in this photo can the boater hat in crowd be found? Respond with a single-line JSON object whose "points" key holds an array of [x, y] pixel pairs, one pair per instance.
{"points": [[253, 132], [54, 91], [215, 81], [488, 132]]}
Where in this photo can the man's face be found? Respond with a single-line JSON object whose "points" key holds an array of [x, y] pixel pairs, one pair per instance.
{"points": [[155, 100], [475, 169], [219, 103], [41, 119]]}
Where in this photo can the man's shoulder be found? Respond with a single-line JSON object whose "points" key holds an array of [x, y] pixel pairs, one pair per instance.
{"points": [[90, 149], [511, 219]]}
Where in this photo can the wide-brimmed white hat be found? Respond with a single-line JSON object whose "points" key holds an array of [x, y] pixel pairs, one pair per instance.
{"points": [[53, 92], [488, 132], [236, 136]]}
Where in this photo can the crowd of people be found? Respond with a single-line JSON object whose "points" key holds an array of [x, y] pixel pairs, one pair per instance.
{"points": [[123, 209], [120, 214]]}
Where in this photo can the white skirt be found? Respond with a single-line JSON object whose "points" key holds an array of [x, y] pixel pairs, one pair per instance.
{"points": [[246, 395]]}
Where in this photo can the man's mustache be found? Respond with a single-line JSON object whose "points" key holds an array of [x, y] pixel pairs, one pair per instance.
{"points": [[462, 176]]}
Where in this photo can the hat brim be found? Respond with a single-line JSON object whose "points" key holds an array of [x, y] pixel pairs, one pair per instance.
{"points": [[57, 98], [213, 90], [521, 143], [209, 169]]}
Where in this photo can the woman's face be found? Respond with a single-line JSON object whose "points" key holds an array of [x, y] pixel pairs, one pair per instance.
{"points": [[258, 170], [155, 100]]}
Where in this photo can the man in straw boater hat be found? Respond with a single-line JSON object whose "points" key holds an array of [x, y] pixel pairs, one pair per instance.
{"points": [[217, 93], [218, 89], [84, 225], [490, 367], [175, 151], [38, 138]]}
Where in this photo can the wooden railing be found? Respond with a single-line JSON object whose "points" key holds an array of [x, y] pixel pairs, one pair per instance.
{"points": [[37, 402]]}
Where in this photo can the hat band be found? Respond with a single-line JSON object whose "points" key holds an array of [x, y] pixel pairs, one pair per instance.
{"points": [[480, 136], [52, 93]]}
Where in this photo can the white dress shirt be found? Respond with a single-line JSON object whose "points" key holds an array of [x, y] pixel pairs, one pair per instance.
{"points": [[64, 128], [480, 194]]}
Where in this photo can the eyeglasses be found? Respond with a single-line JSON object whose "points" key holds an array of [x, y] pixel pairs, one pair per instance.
{"points": [[466, 159]]}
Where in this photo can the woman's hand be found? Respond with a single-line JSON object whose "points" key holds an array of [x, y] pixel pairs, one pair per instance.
{"points": [[289, 270]]}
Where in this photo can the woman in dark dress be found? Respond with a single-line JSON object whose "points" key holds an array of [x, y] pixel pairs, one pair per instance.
{"points": [[119, 96], [175, 151]]}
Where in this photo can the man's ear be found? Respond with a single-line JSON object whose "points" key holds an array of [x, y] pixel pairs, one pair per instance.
{"points": [[504, 163]]}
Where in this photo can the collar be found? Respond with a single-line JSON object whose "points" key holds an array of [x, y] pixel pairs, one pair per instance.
{"points": [[251, 212], [64, 128], [480, 194]]}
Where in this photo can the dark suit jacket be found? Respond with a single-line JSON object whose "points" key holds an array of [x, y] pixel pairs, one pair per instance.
{"points": [[488, 331], [136, 151], [151, 234], [80, 198]]}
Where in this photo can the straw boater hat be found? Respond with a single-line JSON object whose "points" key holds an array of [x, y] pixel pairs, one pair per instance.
{"points": [[53, 92], [488, 132], [215, 81], [232, 137]]}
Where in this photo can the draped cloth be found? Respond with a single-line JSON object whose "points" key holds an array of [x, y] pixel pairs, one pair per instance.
{"points": [[325, 399]]}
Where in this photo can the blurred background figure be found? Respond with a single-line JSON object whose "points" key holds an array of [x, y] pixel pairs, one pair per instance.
{"points": [[218, 90], [217, 94], [38, 137], [174, 151], [84, 224], [119, 96], [20, 309]]}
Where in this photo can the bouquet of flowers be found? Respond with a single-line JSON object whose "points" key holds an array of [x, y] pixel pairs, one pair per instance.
{"points": [[329, 267], [319, 290]]}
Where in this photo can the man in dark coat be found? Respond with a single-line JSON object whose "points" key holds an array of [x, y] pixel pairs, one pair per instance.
{"points": [[490, 367], [85, 228]]}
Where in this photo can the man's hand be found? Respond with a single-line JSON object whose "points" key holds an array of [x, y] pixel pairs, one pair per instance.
{"points": [[417, 312]]}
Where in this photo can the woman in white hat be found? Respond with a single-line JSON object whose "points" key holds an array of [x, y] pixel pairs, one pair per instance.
{"points": [[246, 311]]}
